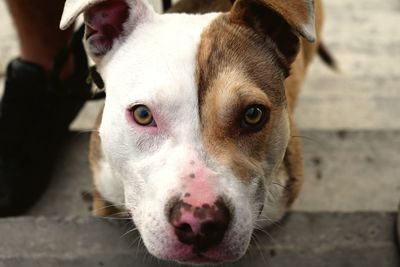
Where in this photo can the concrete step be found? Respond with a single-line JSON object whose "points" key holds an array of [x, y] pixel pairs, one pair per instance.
{"points": [[345, 172], [306, 239], [351, 171]]}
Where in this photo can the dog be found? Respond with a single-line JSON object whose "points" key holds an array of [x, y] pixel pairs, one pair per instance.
{"points": [[197, 122]]}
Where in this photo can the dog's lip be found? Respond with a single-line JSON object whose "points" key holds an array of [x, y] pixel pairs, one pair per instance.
{"points": [[204, 258], [199, 259]]}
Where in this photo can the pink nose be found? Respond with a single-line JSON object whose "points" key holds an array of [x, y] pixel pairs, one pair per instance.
{"points": [[201, 227]]}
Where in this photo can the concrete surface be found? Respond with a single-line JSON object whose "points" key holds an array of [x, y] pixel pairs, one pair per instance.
{"points": [[345, 172], [364, 36], [323, 239], [350, 171]]}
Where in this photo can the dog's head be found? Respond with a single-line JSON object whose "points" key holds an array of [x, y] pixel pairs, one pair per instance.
{"points": [[195, 124]]}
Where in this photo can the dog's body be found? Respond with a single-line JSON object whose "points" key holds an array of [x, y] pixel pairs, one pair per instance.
{"points": [[197, 119]]}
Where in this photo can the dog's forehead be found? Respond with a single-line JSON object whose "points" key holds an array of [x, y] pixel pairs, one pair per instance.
{"points": [[180, 54], [158, 58]]}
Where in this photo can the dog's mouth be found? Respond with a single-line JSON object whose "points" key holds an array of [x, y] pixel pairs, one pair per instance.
{"points": [[201, 259], [218, 254]]}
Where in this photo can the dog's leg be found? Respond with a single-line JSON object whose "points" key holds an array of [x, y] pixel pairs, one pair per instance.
{"points": [[101, 207], [294, 165]]}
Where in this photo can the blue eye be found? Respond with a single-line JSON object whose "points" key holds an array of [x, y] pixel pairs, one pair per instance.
{"points": [[142, 115]]}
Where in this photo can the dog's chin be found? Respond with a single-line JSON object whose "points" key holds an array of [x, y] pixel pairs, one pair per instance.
{"points": [[202, 260], [212, 257], [185, 254]]}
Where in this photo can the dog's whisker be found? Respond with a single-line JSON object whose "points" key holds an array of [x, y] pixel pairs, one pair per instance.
{"points": [[260, 220], [116, 219], [139, 244], [117, 213], [314, 141], [273, 194], [128, 232], [117, 206], [120, 213], [306, 138], [267, 234], [134, 241], [257, 243], [112, 204], [277, 224], [280, 185], [273, 223], [118, 216], [250, 251]]}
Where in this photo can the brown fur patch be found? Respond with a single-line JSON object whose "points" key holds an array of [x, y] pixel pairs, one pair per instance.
{"points": [[103, 208], [296, 12], [236, 69], [293, 163], [232, 56], [95, 153]]}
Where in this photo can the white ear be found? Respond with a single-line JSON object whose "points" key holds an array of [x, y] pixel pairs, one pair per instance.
{"points": [[73, 8], [106, 21]]}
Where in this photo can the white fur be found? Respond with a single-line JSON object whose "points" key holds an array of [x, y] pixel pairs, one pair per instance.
{"points": [[110, 187], [73, 8]]}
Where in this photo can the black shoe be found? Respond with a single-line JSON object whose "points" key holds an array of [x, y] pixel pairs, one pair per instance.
{"points": [[398, 227], [35, 114]]}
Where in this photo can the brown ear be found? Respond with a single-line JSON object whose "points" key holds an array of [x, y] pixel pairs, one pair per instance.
{"points": [[282, 21]]}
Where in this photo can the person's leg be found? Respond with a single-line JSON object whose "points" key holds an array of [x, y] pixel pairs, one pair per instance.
{"points": [[37, 105], [37, 25]]}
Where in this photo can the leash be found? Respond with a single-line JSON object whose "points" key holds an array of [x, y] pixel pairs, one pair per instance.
{"points": [[166, 4]]}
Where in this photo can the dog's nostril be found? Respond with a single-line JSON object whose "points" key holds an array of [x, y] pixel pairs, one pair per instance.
{"points": [[185, 234], [185, 228], [210, 228]]}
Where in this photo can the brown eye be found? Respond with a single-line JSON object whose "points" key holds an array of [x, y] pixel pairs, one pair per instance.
{"points": [[142, 115], [255, 117]]}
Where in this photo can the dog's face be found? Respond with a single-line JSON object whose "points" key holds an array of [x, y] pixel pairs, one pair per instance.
{"points": [[195, 124]]}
